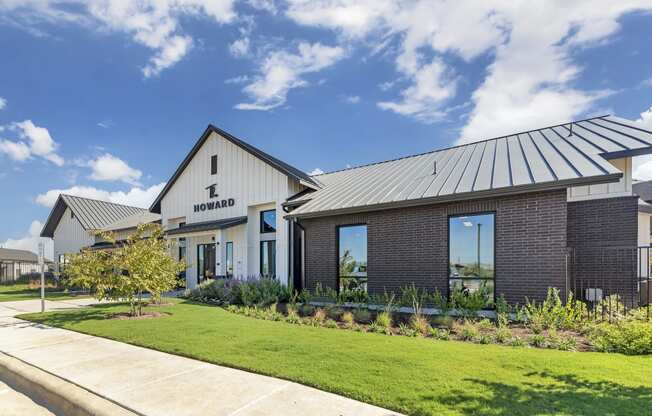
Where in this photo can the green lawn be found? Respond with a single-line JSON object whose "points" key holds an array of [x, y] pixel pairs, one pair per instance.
{"points": [[410, 375], [20, 291]]}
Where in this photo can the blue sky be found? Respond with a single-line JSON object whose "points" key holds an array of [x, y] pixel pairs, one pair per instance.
{"points": [[104, 98]]}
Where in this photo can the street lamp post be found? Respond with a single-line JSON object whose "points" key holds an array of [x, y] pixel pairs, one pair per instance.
{"points": [[41, 262], [479, 225]]}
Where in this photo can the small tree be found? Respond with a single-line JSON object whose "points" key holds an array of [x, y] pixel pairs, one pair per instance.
{"points": [[138, 265]]}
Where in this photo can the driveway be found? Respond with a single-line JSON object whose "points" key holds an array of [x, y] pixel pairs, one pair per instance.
{"points": [[155, 383]]}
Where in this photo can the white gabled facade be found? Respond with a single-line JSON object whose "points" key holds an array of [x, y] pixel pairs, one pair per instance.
{"points": [[70, 237], [244, 186]]}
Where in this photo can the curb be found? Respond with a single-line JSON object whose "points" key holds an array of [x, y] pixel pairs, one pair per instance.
{"points": [[56, 394]]}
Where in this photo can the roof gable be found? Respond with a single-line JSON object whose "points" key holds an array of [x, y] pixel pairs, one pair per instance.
{"points": [[281, 166], [17, 255], [92, 214]]}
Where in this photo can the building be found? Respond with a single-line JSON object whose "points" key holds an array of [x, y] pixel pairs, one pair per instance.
{"points": [[74, 223], [15, 263], [551, 207]]}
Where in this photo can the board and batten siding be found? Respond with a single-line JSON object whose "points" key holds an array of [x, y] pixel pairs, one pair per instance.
{"points": [[70, 236], [253, 184], [606, 190]]}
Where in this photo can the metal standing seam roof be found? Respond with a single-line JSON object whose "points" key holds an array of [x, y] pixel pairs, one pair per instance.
{"points": [[208, 225], [133, 221], [552, 157], [10, 254], [91, 213]]}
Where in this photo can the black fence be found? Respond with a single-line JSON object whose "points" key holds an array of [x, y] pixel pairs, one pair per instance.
{"points": [[611, 281]]}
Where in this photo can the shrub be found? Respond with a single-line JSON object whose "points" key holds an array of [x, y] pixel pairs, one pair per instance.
{"points": [[469, 303], [538, 340], [440, 334], [485, 325], [307, 310], [503, 335], [319, 316], [567, 343], [553, 338], [260, 292], [384, 320], [420, 324], [330, 324], [406, 330], [440, 302], [552, 313], [334, 312], [468, 331], [347, 319], [517, 342], [484, 339], [629, 337], [362, 316], [292, 315]]}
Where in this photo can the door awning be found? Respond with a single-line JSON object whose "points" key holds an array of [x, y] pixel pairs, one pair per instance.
{"points": [[208, 226]]}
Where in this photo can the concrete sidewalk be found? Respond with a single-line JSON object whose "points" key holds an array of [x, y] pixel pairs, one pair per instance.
{"points": [[155, 383]]}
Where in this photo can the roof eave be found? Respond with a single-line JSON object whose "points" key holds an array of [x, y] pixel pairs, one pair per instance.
{"points": [[492, 193], [53, 218]]}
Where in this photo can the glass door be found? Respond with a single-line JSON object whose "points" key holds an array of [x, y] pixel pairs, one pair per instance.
{"points": [[205, 262]]}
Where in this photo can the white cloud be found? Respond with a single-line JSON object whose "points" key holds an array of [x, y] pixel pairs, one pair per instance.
{"points": [[267, 5], [136, 196], [31, 240], [531, 79], [315, 171], [239, 47], [3, 103], [154, 24], [642, 165], [353, 99], [18, 151], [41, 143], [241, 79], [281, 71], [36, 141], [110, 168]]}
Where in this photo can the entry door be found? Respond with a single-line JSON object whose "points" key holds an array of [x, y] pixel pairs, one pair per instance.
{"points": [[205, 262]]}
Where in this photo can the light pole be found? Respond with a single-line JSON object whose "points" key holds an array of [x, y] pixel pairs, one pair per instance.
{"points": [[41, 262], [479, 227]]}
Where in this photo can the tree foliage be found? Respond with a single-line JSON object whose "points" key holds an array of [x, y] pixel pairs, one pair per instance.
{"points": [[141, 264]]}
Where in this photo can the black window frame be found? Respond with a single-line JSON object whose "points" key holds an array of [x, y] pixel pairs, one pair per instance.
{"points": [[262, 222], [272, 259], [214, 165], [337, 252], [448, 251]]}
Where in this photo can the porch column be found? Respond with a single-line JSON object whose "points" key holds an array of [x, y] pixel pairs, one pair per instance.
{"points": [[220, 255]]}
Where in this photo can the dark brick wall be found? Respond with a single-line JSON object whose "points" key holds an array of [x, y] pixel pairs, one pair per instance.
{"points": [[603, 240], [410, 245]]}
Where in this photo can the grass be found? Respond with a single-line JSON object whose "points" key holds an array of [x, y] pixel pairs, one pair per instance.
{"points": [[21, 291], [410, 375]]}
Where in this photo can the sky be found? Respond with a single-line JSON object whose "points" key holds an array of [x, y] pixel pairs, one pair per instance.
{"points": [[104, 98]]}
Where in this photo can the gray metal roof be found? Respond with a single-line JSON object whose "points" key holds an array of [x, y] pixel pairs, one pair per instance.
{"points": [[643, 189], [13, 255], [208, 226], [547, 158], [281, 166], [133, 221], [91, 213]]}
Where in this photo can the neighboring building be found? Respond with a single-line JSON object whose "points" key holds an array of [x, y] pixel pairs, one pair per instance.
{"points": [[74, 221], [124, 228], [15, 263]]}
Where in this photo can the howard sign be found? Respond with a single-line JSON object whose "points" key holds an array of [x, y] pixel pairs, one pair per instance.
{"points": [[211, 205]]}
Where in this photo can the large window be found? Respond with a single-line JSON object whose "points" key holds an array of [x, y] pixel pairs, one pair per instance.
{"points": [[471, 253], [268, 258], [205, 262], [352, 247], [229, 259], [268, 221], [182, 249]]}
